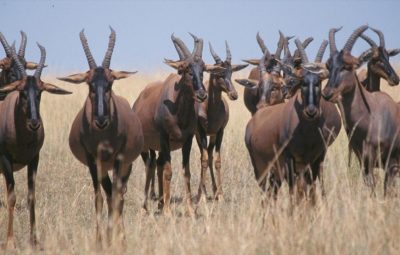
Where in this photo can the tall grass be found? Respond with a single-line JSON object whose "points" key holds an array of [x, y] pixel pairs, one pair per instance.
{"points": [[347, 221]]}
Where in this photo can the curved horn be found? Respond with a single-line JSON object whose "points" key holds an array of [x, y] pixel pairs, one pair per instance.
{"points": [[178, 49], [353, 37], [228, 53], [369, 40], [14, 56], [110, 49], [281, 42], [40, 66], [261, 64], [215, 56], [22, 47], [381, 37], [198, 46], [89, 57], [305, 44], [5, 44], [302, 52], [178, 42], [332, 43], [321, 51], [261, 43]]}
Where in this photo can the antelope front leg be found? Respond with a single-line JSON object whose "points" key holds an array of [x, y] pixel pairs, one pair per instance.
{"points": [[389, 183], [98, 198], [201, 138], [11, 200], [186, 173], [167, 171], [149, 177], [218, 143], [32, 170]]}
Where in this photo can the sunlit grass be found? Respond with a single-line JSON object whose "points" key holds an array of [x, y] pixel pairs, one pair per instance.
{"points": [[348, 221]]}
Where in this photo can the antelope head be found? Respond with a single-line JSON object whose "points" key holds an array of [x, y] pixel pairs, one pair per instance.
{"points": [[223, 78], [7, 63], [30, 88], [291, 65], [191, 66], [269, 85], [378, 58], [100, 80], [341, 65], [310, 77]]}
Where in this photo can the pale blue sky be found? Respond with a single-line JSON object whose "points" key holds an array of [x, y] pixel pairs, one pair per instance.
{"points": [[144, 27]]}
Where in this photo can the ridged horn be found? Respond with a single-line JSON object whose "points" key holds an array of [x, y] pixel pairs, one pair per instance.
{"points": [[381, 37], [228, 53], [22, 47], [261, 64], [40, 66], [302, 52], [14, 56], [321, 51], [178, 43], [353, 37], [214, 54], [368, 40], [261, 43], [5, 44], [281, 42], [178, 49], [305, 44], [332, 42], [111, 43], [198, 47], [88, 54]]}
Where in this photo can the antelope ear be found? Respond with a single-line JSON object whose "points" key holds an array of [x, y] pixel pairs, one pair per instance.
{"points": [[53, 89], [75, 78], [121, 74], [178, 65], [11, 87], [393, 52], [31, 65], [254, 62], [365, 57], [248, 83], [214, 69], [236, 68]]}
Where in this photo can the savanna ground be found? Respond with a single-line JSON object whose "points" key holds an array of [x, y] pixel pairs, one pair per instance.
{"points": [[347, 221]]}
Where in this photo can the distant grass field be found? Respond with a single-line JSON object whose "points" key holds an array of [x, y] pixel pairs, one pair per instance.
{"points": [[348, 221]]}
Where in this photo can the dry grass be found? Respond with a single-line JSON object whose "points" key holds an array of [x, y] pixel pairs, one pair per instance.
{"points": [[348, 221]]}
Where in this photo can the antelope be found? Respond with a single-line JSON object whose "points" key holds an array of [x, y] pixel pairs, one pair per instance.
{"points": [[106, 134], [371, 120], [22, 133], [168, 115], [378, 65], [213, 117], [294, 136], [253, 96], [9, 71]]}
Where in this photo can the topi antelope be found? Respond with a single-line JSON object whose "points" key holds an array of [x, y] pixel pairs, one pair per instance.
{"points": [[22, 133], [106, 134], [213, 117], [378, 65], [169, 119], [294, 136], [371, 120], [9, 71]]}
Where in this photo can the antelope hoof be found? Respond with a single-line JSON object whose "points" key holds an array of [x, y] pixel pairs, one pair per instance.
{"points": [[153, 196], [35, 244], [10, 245]]}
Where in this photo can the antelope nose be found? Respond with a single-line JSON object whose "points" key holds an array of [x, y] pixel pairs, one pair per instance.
{"points": [[394, 80], [233, 95], [201, 95], [311, 110], [34, 124], [101, 122]]}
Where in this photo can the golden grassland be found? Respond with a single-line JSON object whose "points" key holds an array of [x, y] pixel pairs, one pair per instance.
{"points": [[347, 221]]}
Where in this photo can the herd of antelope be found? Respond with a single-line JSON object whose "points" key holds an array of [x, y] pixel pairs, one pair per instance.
{"points": [[294, 120]]}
